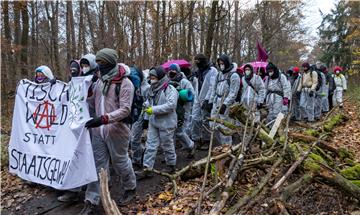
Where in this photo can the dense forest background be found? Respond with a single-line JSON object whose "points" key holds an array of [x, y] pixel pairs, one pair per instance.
{"points": [[148, 33]]}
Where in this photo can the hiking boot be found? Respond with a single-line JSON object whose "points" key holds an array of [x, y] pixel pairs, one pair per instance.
{"points": [[127, 197], [88, 209], [137, 166], [68, 197], [191, 153], [169, 169], [142, 174]]}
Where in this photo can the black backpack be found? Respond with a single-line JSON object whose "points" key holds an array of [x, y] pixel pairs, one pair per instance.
{"points": [[238, 96]]}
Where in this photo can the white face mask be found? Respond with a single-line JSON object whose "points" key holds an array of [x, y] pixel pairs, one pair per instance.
{"points": [[271, 73], [153, 81], [86, 70], [247, 72], [222, 67]]}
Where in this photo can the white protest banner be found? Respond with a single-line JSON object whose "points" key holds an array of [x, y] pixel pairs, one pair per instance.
{"points": [[49, 144]]}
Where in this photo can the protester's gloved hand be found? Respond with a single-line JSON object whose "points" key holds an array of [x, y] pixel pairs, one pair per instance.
{"points": [[97, 121], [53, 81], [259, 106], [222, 109], [94, 78], [205, 105], [145, 124], [298, 93], [285, 101], [149, 110], [209, 107], [311, 94]]}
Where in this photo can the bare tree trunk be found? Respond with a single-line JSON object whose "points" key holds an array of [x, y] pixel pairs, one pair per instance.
{"points": [[24, 39], [144, 54], [163, 30], [68, 31], [190, 28], [156, 37], [101, 30], [202, 26], [34, 39], [5, 60], [91, 27], [211, 28], [236, 46], [81, 29]]}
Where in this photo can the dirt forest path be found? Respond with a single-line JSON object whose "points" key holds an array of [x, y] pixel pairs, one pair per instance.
{"points": [[153, 196]]}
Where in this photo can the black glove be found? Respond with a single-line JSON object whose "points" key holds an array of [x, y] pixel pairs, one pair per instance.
{"points": [[97, 121], [209, 107], [222, 109], [145, 124], [94, 78], [259, 106], [298, 93], [53, 81], [205, 104], [311, 94]]}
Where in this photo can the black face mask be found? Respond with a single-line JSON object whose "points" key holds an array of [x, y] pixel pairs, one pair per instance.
{"points": [[172, 75], [106, 68]]}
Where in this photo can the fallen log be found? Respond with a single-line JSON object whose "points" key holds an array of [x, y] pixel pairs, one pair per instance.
{"points": [[295, 165], [322, 144]]}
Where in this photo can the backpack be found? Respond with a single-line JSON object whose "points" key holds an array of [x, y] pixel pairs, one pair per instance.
{"points": [[319, 83], [138, 100], [238, 96]]}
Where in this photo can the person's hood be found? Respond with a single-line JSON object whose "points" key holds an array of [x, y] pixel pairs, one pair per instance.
{"points": [[91, 59], [127, 69], [228, 66], [46, 71], [158, 72], [274, 68], [250, 67]]}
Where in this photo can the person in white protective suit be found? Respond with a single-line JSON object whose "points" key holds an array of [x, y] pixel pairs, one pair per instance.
{"points": [[278, 93], [294, 78], [224, 94], [139, 125], [306, 88], [161, 108], [341, 86], [253, 92], [184, 106], [206, 75]]}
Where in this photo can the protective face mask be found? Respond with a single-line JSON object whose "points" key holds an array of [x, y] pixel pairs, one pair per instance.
{"points": [[40, 79], [86, 69], [271, 73], [153, 82], [222, 67], [172, 74], [247, 72]]}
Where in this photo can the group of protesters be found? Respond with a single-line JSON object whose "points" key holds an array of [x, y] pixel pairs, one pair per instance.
{"points": [[174, 105]]}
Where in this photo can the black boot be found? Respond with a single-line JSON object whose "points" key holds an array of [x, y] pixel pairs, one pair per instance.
{"points": [[169, 169], [88, 209], [142, 174], [127, 197], [191, 153]]}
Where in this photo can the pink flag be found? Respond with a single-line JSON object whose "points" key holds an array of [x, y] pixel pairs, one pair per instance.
{"points": [[262, 54]]}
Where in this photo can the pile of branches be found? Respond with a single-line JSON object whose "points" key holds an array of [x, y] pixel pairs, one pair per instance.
{"points": [[307, 152]]}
